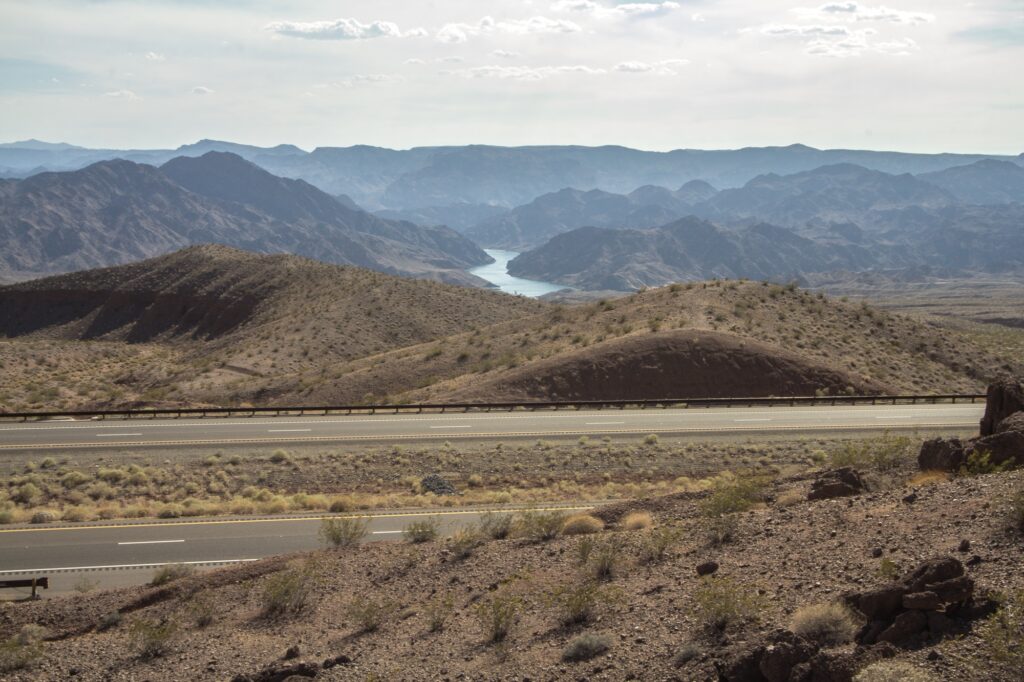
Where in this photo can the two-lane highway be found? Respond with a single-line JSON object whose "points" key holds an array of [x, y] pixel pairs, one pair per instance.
{"points": [[128, 553], [138, 433]]}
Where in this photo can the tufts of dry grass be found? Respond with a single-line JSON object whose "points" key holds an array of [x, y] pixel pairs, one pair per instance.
{"points": [[640, 520], [582, 524]]}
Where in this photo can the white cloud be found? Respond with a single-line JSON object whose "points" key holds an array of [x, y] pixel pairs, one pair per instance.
{"points": [[418, 32], [525, 73], [460, 33], [804, 30], [629, 9], [855, 11], [155, 57], [414, 60], [341, 29], [202, 90], [451, 59], [859, 43], [697, 16], [121, 94], [662, 68], [505, 54], [369, 79]]}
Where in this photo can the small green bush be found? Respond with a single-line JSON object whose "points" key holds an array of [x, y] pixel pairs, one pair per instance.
{"points": [[733, 496], [279, 456], [286, 592], [656, 545], [577, 603], [465, 541], [1003, 632], [651, 439], [368, 614], [497, 616], [606, 558], [719, 603], [825, 624], [586, 647], [885, 453], [540, 526], [979, 463], [418, 532], [169, 573], [344, 531], [152, 639]]}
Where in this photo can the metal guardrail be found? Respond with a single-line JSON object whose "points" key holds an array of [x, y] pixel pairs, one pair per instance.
{"points": [[178, 413]]}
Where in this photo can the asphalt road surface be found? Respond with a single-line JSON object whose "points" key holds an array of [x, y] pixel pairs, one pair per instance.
{"points": [[118, 554], [140, 433]]}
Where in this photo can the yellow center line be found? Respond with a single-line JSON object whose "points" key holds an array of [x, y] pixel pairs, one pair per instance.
{"points": [[283, 519]]}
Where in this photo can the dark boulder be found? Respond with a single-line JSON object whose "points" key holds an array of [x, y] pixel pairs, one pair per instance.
{"points": [[942, 454], [842, 482], [1003, 448], [433, 483], [1005, 396]]}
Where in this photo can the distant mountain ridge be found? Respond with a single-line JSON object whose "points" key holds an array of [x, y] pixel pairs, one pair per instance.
{"points": [[118, 211], [379, 178]]}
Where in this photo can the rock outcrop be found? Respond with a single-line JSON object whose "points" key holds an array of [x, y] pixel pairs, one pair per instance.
{"points": [[842, 482], [1005, 397]]}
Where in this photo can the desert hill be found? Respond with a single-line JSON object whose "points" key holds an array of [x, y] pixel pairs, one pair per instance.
{"points": [[210, 306], [115, 212], [212, 325], [988, 181]]}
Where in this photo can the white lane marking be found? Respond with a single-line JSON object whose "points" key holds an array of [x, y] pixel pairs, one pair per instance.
{"points": [[116, 435], [602, 423], [97, 568], [760, 419], [897, 416], [923, 411], [149, 542], [387, 532], [287, 430], [453, 426]]}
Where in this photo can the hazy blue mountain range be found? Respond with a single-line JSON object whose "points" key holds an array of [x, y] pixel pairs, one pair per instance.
{"points": [[379, 178], [119, 211]]}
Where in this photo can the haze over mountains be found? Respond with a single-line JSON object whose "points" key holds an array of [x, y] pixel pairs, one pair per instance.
{"points": [[120, 211]]}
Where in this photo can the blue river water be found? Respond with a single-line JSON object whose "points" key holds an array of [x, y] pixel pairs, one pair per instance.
{"points": [[497, 274]]}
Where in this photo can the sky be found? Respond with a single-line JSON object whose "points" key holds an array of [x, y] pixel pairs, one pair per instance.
{"points": [[916, 75]]}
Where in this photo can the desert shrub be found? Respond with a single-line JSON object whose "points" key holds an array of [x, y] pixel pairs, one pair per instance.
{"points": [[686, 653], [75, 514], [368, 614], [651, 439], [344, 531], [825, 624], [1003, 632], [583, 549], [586, 647], [719, 603], [656, 545], [111, 475], [74, 479], [719, 530], [497, 616], [170, 511], [7, 516], [20, 651], [789, 498], [465, 540], [202, 610], [109, 621], [170, 573], [339, 505], [43, 516], [606, 558], [577, 603], [888, 569], [540, 526], [152, 639], [734, 495], [48, 463], [27, 493], [421, 531], [286, 592], [882, 454], [1017, 511], [84, 584], [893, 671], [438, 610], [496, 525], [638, 521], [279, 456], [582, 524]]}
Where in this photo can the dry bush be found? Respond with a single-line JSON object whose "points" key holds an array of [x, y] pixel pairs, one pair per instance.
{"points": [[497, 616], [582, 524], [438, 611], [539, 526], [202, 610], [638, 520], [893, 671], [344, 531], [171, 572], [152, 639], [368, 614], [23, 650], [606, 558], [1003, 633], [884, 453], [719, 530], [656, 545], [586, 647], [465, 540], [576, 603], [789, 498], [286, 592], [825, 624], [496, 525], [425, 530], [1017, 511], [719, 603]]}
